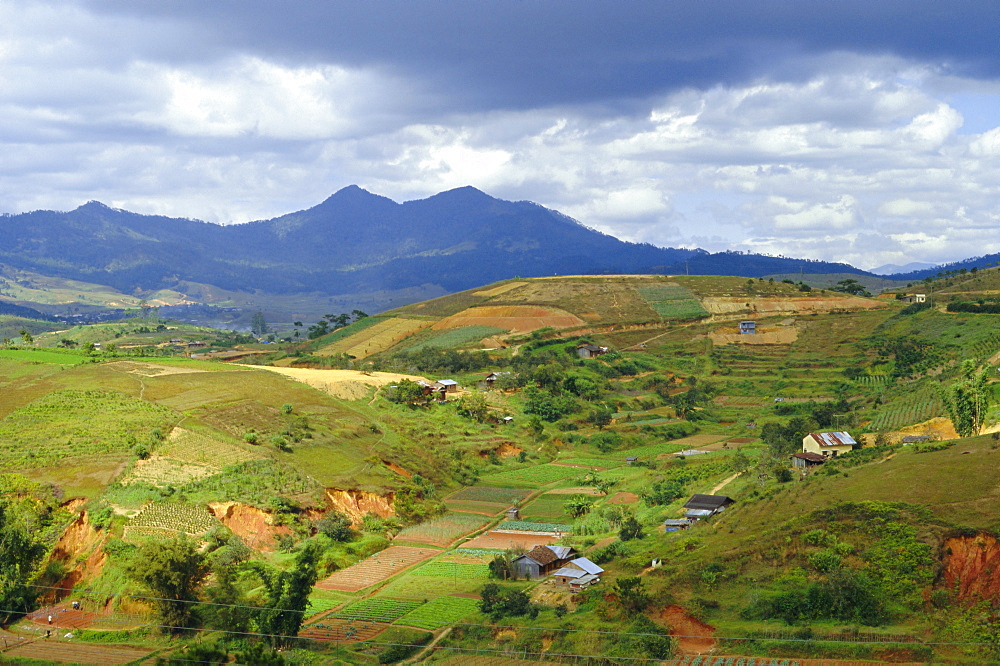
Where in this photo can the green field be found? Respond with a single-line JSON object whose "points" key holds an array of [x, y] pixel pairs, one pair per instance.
{"points": [[377, 609], [46, 356], [440, 612], [456, 337], [75, 424], [531, 477], [673, 302]]}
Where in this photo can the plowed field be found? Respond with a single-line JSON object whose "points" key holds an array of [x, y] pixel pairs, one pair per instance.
{"points": [[508, 540], [375, 339], [377, 568], [514, 318]]}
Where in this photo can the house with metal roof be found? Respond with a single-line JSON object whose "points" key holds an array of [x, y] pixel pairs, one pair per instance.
{"points": [[828, 444], [541, 561], [578, 574], [703, 506]]}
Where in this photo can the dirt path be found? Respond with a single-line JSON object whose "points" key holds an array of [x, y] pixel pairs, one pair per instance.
{"points": [[723, 484]]}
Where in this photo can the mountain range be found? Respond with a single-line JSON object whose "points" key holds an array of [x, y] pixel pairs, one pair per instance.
{"points": [[353, 247]]}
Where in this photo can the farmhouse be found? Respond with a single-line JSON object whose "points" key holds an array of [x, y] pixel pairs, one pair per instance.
{"points": [[676, 524], [590, 351], [490, 381], [578, 574], [807, 460], [915, 298], [748, 327], [541, 561], [828, 444], [703, 506], [448, 385]]}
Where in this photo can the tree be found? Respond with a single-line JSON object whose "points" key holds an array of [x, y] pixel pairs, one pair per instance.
{"points": [[498, 601], [405, 392], [26, 336], [67, 343], [578, 505], [258, 325], [631, 529], [287, 595], [600, 417], [19, 555], [967, 399], [335, 525], [631, 594], [172, 571], [473, 404]]}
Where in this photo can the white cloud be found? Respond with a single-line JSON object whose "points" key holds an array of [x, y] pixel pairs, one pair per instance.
{"points": [[852, 157]]}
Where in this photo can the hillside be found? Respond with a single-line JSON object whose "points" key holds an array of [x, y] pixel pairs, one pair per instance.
{"points": [[403, 498], [354, 250]]}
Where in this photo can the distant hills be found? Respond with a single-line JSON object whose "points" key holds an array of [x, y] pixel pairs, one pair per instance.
{"points": [[355, 247]]}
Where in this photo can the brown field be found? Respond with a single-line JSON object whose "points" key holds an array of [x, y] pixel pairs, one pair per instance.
{"points": [[60, 650], [496, 291], [733, 304], [151, 369], [515, 318], [507, 540], [482, 508], [377, 568], [343, 631], [698, 440], [375, 339], [623, 498], [346, 384]]}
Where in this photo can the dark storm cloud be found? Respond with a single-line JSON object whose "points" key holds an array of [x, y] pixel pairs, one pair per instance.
{"points": [[520, 54]]}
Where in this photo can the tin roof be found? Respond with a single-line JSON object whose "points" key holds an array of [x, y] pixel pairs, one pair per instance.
{"points": [[832, 438], [811, 457], [587, 565]]}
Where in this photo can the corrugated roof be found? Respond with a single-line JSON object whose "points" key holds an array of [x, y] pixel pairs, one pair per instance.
{"points": [[587, 565], [562, 552], [811, 457], [833, 438], [710, 502], [569, 572]]}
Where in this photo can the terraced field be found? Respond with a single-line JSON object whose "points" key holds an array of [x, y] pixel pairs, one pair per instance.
{"points": [[376, 338], [444, 530], [377, 568], [168, 519]]}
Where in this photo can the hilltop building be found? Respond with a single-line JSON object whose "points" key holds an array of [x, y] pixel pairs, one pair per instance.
{"points": [[828, 444]]}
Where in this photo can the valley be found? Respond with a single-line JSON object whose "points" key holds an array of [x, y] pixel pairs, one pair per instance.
{"points": [[365, 496]]}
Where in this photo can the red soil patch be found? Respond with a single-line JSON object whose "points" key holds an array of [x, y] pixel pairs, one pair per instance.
{"points": [[249, 523], [79, 539], [376, 568], [343, 631], [514, 318], [742, 440], [693, 636], [505, 540], [624, 498], [64, 617], [971, 567]]}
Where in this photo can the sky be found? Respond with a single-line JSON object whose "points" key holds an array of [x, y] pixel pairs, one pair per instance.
{"points": [[865, 132]]}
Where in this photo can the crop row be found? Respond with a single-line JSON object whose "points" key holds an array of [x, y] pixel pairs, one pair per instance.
{"points": [[189, 518], [465, 570], [446, 528], [377, 609], [490, 494], [526, 526], [531, 476], [440, 612]]}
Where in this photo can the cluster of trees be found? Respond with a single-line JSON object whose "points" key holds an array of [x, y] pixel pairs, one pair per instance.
{"points": [[435, 359], [980, 306], [330, 322], [20, 554], [242, 595]]}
